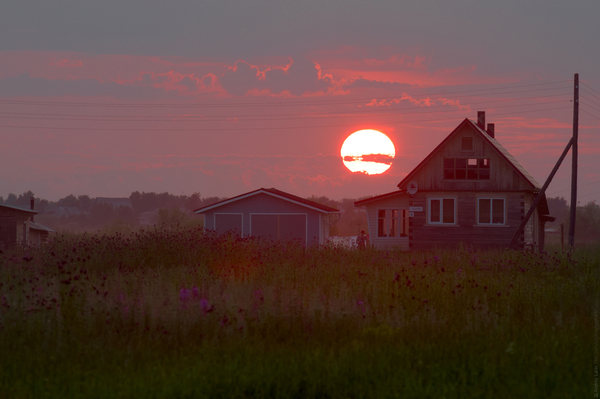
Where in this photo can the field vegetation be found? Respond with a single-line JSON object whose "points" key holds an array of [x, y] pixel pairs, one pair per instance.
{"points": [[187, 314]]}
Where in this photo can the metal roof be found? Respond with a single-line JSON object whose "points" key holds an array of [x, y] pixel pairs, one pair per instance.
{"points": [[274, 193], [17, 208]]}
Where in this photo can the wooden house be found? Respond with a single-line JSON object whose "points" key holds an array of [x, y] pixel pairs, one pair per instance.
{"points": [[468, 191], [18, 228], [271, 214]]}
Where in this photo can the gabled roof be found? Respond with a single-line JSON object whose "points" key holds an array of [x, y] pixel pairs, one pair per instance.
{"points": [[379, 197], [17, 208], [274, 193], [492, 142]]}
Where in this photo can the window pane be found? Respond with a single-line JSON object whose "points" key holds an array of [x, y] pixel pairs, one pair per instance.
{"points": [[472, 162], [381, 213], [405, 221], [484, 163], [448, 173], [435, 210], [380, 227], [472, 174], [449, 163], [484, 210], [461, 162], [394, 227], [461, 173], [498, 211], [449, 210]]}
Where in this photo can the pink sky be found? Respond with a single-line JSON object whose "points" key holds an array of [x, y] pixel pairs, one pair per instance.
{"points": [[222, 102]]}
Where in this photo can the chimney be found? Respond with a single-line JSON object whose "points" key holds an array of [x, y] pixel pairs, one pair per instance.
{"points": [[491, 130], [31, 205], [481, 119]]}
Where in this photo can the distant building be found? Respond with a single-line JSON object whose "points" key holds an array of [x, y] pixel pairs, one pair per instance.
{"points": [[469, 190], [271, 214]]}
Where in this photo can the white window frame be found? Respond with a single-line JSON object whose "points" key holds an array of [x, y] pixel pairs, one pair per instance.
{"points": [[399, 225], [441, 222], [491, 223]]}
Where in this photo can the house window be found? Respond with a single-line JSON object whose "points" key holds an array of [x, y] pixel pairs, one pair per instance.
{"points": [[392, 223], [442, 210], [491, 211], [467, 144], [467, 168]]}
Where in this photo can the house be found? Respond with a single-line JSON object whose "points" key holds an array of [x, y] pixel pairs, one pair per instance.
{"points": [[468, 191], [17, 227], [272, 214]]}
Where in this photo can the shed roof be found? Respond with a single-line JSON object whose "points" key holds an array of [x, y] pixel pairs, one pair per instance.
{"points": [[40, 227], [274, 193], [492, 141], [379, 197]]}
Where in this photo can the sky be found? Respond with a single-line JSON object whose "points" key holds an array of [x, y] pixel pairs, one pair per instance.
{"points": [[225, 97]]}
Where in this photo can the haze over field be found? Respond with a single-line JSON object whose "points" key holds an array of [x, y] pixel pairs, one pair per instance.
{"points": [[225, 97]]}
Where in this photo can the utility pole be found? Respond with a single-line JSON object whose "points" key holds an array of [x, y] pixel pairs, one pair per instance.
{"points": [[574, 167]]}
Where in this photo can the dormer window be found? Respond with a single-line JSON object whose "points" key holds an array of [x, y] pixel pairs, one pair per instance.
{"points": [[467, 168], [467, 144]]}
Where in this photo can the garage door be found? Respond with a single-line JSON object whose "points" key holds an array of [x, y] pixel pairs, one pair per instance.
{"points": [[279, 227]]}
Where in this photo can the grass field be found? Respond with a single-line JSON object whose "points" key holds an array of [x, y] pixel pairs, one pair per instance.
{"points": [[184, 314]]}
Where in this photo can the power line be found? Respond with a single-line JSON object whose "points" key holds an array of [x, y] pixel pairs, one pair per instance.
{"points": [[260, 128]]}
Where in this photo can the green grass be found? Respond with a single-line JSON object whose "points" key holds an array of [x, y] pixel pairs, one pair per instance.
{"points": [[173, 313]]}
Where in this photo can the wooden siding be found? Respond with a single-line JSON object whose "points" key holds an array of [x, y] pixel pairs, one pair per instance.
{"points": [[395, 202], [267, 204], [503, 176], [466, 231]]}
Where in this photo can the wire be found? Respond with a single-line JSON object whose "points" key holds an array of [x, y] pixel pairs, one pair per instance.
{"points": [[489, 91], [112, 118], [257, 128], [593, 116]]}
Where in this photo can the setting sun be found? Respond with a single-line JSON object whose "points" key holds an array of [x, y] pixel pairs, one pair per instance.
{"points": [[368, 151]]}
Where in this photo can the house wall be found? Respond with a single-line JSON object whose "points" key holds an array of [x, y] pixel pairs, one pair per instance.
{"points": [[393, 202], [466, 231], [503, 177], [266, 204], [324, 228]]}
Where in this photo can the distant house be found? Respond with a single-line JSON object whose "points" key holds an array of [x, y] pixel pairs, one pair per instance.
{"points": [[17, 227], [271, 214], [469, 190]]}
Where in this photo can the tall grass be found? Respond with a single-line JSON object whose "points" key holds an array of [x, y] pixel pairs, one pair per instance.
{"points": [[176, 313]]}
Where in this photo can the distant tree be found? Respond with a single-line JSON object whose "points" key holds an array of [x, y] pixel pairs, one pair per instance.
{"points": [[11, 199], [24, 200], [558, 208], [69, 200], [85, 203]]}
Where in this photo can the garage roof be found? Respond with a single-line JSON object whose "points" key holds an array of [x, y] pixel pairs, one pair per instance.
{"points": [[275, 193]]}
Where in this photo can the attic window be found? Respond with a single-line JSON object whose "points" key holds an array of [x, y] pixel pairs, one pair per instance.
{"points": [[467, 168], [467, 144]]}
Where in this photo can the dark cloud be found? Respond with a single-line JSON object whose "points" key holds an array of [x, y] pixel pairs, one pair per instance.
{"points": [[298, 78]]}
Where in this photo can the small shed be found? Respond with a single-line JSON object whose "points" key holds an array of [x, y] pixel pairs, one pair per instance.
{"points": [[271, 214], [17, 227], [469, 190]]}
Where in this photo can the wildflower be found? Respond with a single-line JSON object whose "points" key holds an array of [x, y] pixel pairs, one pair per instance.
{"points": [[184, 295]]}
